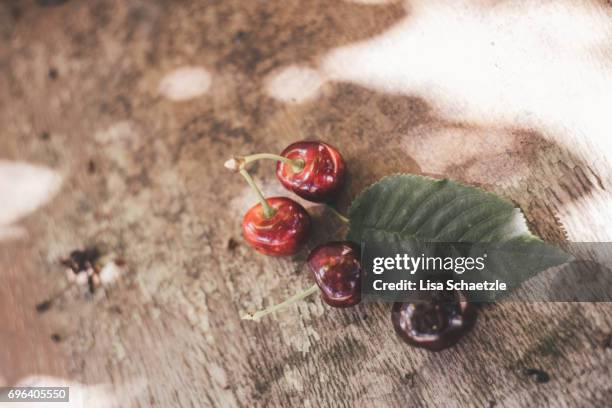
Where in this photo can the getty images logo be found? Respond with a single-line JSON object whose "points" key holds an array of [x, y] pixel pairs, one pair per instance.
{"points": [[414, 264]]}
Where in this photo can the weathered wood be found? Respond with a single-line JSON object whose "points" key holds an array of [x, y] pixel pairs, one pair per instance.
{"points": [[144, 180]]}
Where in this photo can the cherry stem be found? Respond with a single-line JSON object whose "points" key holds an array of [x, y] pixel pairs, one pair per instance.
{"points": [[267, 208], [342, 217], [296, 165], [293, 299]]}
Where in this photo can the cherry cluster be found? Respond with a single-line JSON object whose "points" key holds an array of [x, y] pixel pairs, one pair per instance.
{"points": [[279, 226]]}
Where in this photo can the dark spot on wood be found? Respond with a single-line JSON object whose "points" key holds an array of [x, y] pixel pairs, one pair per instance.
{"points": [[115, 309], [537, 375], [553, 341], [45, 136], [232, 244], [603, 340], [239, 37], [271, 369], [348, 347], [53, 74], [81, 260], [44, 306], [101, 14], [91, 285], [547, 346], [85, 261], [137, 14], [408, 379], [261, 387], [50, 3], [56, 337], [125, 104], [16, 12]]}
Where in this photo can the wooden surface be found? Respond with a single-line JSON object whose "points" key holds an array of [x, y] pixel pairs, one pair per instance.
{"points": [[143, 179]]}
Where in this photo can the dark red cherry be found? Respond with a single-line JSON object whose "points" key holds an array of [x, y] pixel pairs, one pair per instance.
{"points": [[321, 171], [336, 267], [436, 321], [281, 234]]}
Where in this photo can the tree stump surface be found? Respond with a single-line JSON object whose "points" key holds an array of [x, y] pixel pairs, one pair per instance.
{"points": [[143, 180]]}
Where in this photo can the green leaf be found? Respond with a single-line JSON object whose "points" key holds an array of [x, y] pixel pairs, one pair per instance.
{"points": [[434, 210], [407, 208]]}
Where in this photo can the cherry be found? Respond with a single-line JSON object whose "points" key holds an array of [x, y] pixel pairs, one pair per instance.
{"points": [[312, 170], [276, 226], [336, 269], [319, 172], [436, 321], [280, 232]]}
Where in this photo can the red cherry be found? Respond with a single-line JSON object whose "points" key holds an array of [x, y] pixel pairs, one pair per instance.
{"points": [[336, 268], [320, 174], [337, 272], [435, 322], [283, 233]]}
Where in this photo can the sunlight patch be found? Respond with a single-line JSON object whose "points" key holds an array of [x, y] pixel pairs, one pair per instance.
{"points": [[185, 83]]}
